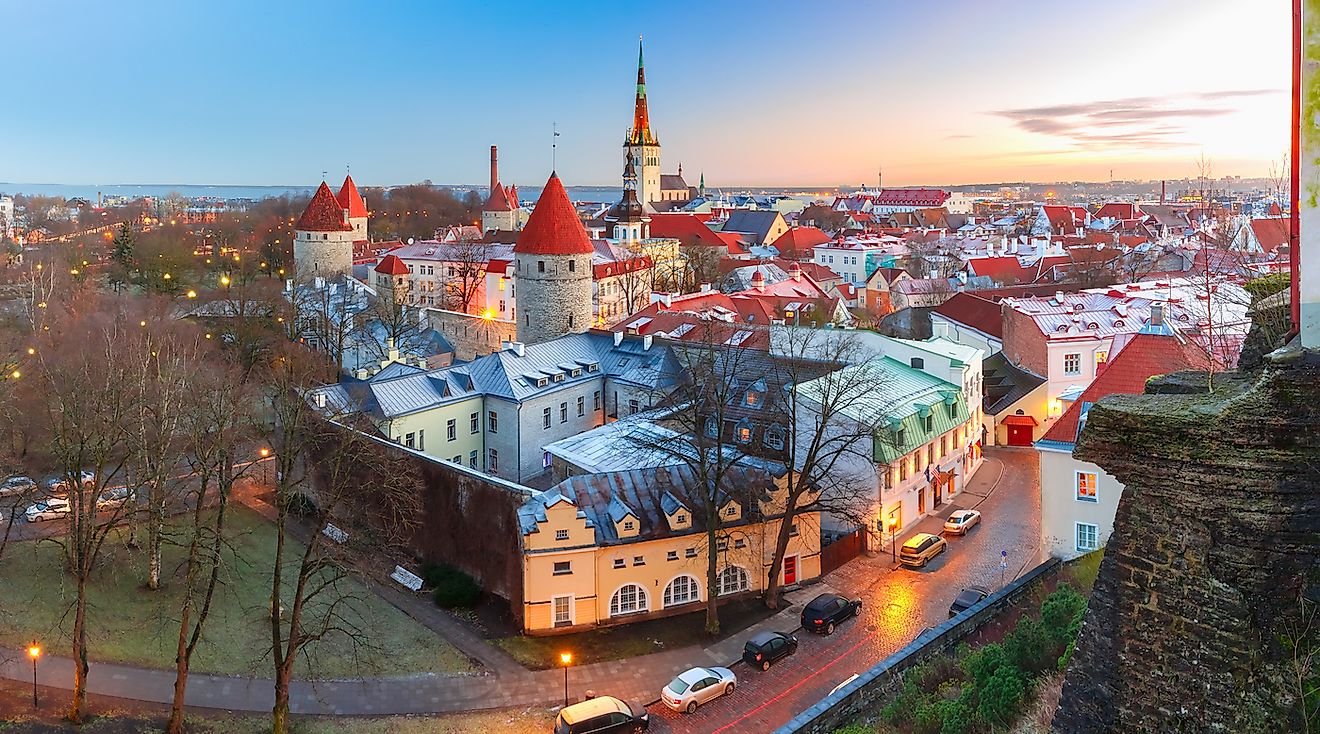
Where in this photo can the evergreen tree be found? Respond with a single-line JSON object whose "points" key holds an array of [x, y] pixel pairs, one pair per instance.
{"points": [[122, 255]]}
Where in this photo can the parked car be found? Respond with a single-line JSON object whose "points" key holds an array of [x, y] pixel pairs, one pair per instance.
{"points": [[697, 686], [961, 521], [52, 508], [15, 486], [827, 610], [920, 548], [60, 485], [112, 498], [767, 647], [602, 715], [967, 598]]}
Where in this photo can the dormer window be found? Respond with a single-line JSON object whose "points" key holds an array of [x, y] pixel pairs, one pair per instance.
{"points": [[754, 399], [593, 367], [628, 525], [900, 437], [731, 511], [681, 519], [712, 428], [917, 363], [774, 438], [542, 382], [559, 377], [930, 423], [577, 372], [744, 434]]}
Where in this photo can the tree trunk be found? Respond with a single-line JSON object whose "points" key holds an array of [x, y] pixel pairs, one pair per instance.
{"points": [[279, 721], [155, 532], [777, 561], [712, 584], [175, 725], [78, 706]]}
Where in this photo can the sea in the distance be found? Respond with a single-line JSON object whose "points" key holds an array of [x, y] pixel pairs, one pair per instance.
{"points": [[191, 191]]}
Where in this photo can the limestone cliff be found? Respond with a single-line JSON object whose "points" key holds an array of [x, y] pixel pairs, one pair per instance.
{"points": [[1216, 537]]}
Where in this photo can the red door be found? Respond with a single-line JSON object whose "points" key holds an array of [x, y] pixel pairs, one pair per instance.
{"points": [[1019, 435], [790, 570]]}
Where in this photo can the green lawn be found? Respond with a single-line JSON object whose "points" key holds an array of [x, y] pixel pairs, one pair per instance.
{"points": [[129, 624]]}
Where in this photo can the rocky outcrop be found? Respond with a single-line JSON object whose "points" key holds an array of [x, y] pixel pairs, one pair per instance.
{"points": [[1216, 538]]}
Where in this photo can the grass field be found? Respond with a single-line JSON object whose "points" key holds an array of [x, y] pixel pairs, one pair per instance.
{"points": [[129, 624]]}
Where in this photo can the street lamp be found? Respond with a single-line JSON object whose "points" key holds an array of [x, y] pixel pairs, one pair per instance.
{"points": [[892, 523], [34, 652], [567, 659], [265, 452]]}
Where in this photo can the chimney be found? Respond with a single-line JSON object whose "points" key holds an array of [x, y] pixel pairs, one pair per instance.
{"points": [[1157, 314], [517, 348], [361, 374], [494, 169], [1162, 185], [618, 338], [646, 342]]}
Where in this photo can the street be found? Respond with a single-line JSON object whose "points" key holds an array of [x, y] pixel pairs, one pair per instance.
{"points": [[896, 603]]}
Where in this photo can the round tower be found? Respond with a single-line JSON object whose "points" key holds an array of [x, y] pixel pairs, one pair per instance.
{"points": [[392, 280], [352, 202], [323, 238], [552, 260]]}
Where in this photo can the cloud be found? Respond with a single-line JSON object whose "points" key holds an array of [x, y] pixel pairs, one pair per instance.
{"points": [[1132, 122]]}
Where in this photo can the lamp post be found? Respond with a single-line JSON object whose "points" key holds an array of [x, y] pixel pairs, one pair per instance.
{"points": [[265, 452], [34, 652], [567, 659], [892, 522]]}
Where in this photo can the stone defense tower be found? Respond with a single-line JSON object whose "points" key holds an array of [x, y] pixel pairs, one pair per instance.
{"points": [[553, 269], [641, 143], [352, 202], [323, 238], [392, 283]]}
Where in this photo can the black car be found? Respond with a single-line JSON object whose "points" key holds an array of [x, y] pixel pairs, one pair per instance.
{"points": [[967, 598], [602, 715], [827, 610], [767, 647]]}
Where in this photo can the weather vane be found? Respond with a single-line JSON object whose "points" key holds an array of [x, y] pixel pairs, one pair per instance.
{"points": [[554, 142]]}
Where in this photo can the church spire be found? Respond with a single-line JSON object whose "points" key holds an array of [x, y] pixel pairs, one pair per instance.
{"points": [[641, 134]]}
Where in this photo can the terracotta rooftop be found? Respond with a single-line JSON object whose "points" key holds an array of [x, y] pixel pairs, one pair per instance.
{"points": [[971, 310], [323, 213], [392, 265], [350, 199], [554, 227]]}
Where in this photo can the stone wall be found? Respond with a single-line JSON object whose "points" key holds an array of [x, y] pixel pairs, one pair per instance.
{"points": [[555, 302], [471, 336], [1216, 537]]}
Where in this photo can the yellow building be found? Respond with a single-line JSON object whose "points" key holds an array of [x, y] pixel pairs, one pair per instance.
{"points": [[614, 548]]}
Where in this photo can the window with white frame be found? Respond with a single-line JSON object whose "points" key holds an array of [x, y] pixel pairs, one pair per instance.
{"points": [[561, 535], [1088, 537], [620, 563], [451, 430], [563, 568], [1072, 364], [681, 590], [545, 417], [732, 580], [1086, 487], [628, 600], [774, 437], [563, 606]]}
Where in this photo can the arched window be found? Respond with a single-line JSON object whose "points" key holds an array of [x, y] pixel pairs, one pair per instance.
{"points": [[628, 600], [732, 580], [682, 590]]}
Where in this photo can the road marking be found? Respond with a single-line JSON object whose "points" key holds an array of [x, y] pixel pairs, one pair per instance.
{"points": [[794, 686]]}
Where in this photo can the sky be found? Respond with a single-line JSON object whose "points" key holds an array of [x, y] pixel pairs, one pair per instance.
{"points": [[252, 92]]}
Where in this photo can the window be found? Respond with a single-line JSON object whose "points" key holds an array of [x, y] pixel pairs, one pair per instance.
{"points": [[451, 429], [628, 600], [774, 438], [1101, 357], [628, 525], [563, 567], [690, 553], [944, 446], [1088, 536], [494, 462], [563, 412], [595, 400], [572, 266], [421, 440], [410, 440], [540, 266], [561, 535], [739, 543], [753, 398], [712, 428], [639, 560], [545, 418], [681, 519], [682, 590], [929, 423], [545, 459], [619, 563], [458, 460], [472, 459], [494, 422], [1086, 487], [732, 580], [633, 406], [900, 438], [563, 606], [930, 454], [1072, 364], [731, 511], [671, 556], [744, 434], [475, 422], [582, 406], [792, 530], [917, 363]]}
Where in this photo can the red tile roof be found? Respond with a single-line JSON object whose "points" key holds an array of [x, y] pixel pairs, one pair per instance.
{"points": [[499, 200], [554, 227], [323, 213], [971, 310], [799, 240], [910, 197], [1009, 270], [392, 265], [1064, 219], [350, 199], [1271, 233], [688, 229], [1117, 210], [1144, 356]]}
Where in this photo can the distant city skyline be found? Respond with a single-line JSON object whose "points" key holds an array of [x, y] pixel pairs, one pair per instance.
{"points": [[792, 95]]}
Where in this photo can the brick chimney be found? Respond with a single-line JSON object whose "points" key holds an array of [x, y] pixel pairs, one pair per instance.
{"points": [[494, 169]]}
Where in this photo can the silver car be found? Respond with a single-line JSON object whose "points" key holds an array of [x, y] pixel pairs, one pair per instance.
{"points": [[53, 508], [697, 686], [15, 486]]}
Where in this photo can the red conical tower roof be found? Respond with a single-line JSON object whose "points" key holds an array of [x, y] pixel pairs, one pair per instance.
{"points": [[499, 200], [350, 199], [323, 213], [554, 227], [392, 265]]}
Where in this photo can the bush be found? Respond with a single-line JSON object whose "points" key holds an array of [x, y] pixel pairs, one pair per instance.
{"points": [[943, 717], [1030, 648], [301, 505], [1267, 285], [855, 729], [453, 588], [1062, 612], [1002, 695], [982, 663]]}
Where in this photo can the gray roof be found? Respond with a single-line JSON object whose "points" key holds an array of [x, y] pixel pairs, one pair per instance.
{"points": [[1004, 383], [755, 221]]}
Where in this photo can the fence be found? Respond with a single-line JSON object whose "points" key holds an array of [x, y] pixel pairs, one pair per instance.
{"points": [[846, 548]]}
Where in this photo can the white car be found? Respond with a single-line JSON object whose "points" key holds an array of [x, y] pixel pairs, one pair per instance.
{"points": [[60, 485], [697, 686], [15, 486], [52, 508], [961, 521], [112, 498]]}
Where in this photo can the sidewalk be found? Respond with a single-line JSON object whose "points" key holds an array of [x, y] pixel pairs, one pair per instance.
{"points": [[638, 679]]}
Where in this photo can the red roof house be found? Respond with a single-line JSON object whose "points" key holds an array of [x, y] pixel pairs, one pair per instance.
{"points": [[391, 265], [798, 241]]}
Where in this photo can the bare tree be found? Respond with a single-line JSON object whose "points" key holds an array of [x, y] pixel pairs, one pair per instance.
{"points": [[386, 324], [322, 468], [465, 272], [701, 264], [1301, 642]]}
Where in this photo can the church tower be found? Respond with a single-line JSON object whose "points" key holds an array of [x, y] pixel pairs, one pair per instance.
{"points": [[553, 269], [642, 145], [323, 237], [631, 224]]}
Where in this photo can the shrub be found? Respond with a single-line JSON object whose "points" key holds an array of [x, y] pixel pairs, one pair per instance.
{"points": [[855, 729], [1267, 285], [453, 588], [943, 717], [1062, 612], [1001, 696], [982, 663], [301, 505], [1031, 648]]}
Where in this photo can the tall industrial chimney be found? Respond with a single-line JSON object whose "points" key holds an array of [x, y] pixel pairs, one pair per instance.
{"points": [[1162, 184], [494, 170]]}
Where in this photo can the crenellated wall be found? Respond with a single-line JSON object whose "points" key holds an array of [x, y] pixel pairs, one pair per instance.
{"points": [[1216, 537]]}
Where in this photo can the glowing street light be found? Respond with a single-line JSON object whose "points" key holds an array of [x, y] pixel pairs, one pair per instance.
{"points": [[567, 659], [892, 524], [15, 374], [224, 280], [192, 294], [34, 652]]}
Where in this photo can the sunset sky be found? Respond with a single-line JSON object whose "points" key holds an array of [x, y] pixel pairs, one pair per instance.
{"points": [[764, 94]]}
